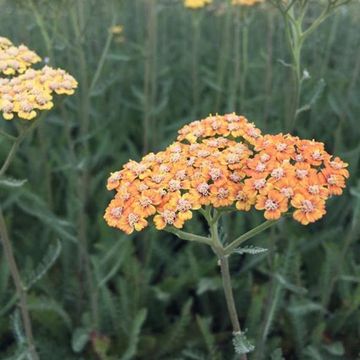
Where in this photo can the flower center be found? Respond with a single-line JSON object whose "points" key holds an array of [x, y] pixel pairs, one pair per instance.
{"points": [[145, 202], [271, 205], [277, 173], [260, 167], [116, 212], [169, 216], [316, 155], [281, 146], [264, 157], [241, 196], [301, 173], [331, 180], [259, 184], [215, 174], [174, 185], [223, 193], [183, 205], [203, 189], [133, 219], [287, 192], [307, 206], [157, 179], [235, 177], [313, 189]]}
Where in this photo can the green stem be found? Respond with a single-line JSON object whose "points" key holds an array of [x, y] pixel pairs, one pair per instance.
{"points": [[195, 63], [248, 235], [188, 236], [226, 277], [245, 56], [20, 290], [223, 55], [18, 140], [101, 62]]}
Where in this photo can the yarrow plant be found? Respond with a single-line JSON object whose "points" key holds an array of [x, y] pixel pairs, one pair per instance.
{"points": [[224, 163], [24, 92]]}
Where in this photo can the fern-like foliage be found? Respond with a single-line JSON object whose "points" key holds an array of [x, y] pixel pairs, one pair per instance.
{"points": [[241, 344]]}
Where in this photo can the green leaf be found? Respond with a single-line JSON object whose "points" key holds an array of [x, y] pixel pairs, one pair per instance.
{"points": [[12, 183], [46, 263], [208, 284], [336, 348], [241, 344], [277, 355], [289, 286], [135, 335], [79, 339], [253, 250]]}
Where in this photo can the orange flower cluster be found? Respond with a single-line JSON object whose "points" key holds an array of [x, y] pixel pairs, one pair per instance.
{"points": [[15, 59], [225, 161], [33, 89]]}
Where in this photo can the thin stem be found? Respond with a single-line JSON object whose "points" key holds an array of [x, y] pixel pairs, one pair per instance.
{"points": [[16, 144], [226, 278], [245, 56], [223, 55], [10, 156], [8, 136], [20, 291], [102, 58], [230, 302], [248, 235], [237, 59], [188, 236], [150, 74], [195, 63]]}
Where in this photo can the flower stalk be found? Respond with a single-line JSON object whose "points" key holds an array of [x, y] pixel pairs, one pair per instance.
{"points": [[222, 252], [20, 289], [294, 13]]}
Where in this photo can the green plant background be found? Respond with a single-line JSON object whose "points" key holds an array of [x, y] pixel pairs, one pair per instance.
{"points": [[98, 294]]}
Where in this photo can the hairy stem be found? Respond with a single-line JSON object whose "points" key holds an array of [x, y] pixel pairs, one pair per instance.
{"points": [[20, 291]]}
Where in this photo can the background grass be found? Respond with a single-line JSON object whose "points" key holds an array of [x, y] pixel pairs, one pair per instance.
{"points": [[98, 294]]}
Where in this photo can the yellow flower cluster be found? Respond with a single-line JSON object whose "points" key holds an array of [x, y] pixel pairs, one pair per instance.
{"points": [[246, 2], [225, 161], [32, 90], [15, 59], [196, 4]]}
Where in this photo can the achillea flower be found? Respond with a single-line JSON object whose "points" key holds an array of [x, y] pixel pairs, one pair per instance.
{"points": [[15, 59], [224, 161], [246, 2], [196, 4], [32, 90]]}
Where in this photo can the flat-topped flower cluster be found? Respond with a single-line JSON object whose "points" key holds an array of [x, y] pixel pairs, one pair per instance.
{"points": [[225, 161], [30, 90]]}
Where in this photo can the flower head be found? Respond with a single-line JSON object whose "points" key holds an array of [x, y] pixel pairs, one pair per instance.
{"points": [[196, 4], [225, 161], [30, 90]]}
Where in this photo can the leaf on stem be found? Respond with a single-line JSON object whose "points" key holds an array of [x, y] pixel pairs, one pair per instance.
{"points": [[241, 344], [12, 183], [253, 250]]}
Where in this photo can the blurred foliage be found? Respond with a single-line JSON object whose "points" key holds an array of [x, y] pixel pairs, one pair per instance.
{"points": [[97, 294]]}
